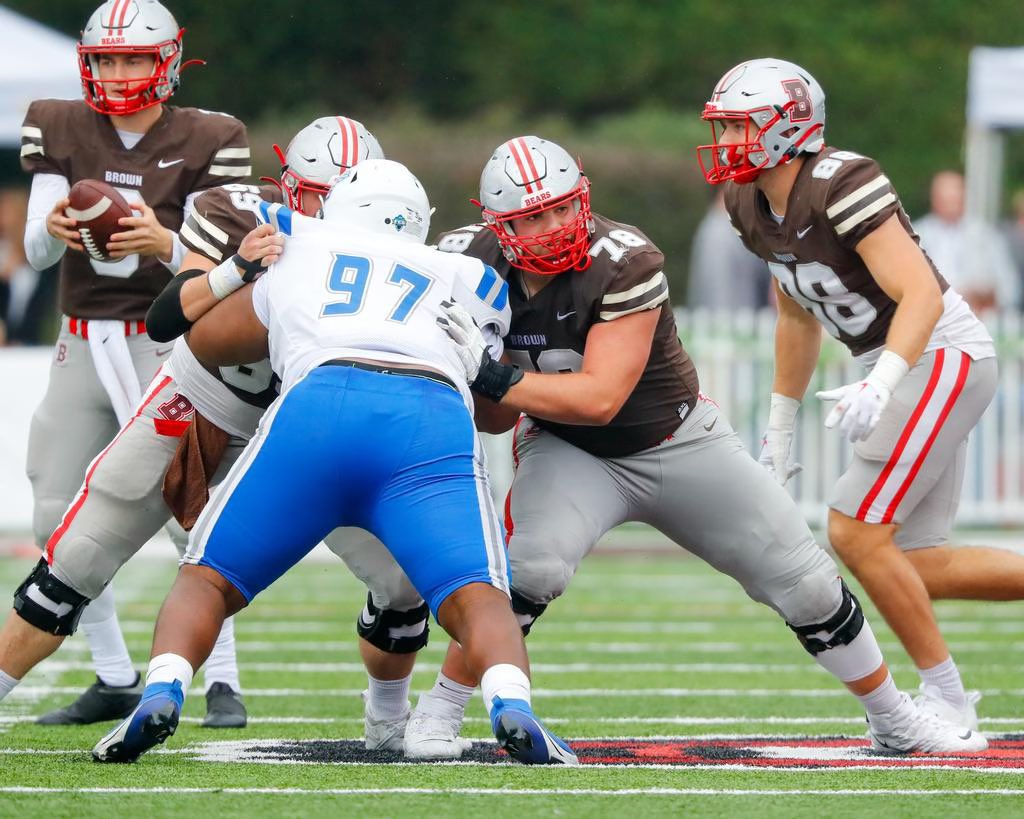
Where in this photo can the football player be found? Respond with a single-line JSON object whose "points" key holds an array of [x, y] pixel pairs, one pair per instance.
{"points": [[844, 256], [159, 157], [374, 429], [122, 503], [610, 427]]}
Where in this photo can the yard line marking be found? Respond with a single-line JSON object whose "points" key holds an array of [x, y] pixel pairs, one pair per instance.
{"points": [[541, 791]]}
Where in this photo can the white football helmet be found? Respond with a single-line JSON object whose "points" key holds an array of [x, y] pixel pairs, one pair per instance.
{"points": [[782, 108], [131, 27], [529, 175], [380, 196], [325, 148]]}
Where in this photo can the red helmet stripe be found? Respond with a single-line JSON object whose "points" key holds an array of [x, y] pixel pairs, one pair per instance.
{"points": [[343, 160], [355, 140], [519, 164], [529, 161], [124, 12]]}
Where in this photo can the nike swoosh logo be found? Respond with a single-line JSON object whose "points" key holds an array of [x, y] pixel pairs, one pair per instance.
{"points": [[563, 316], [162, 353], [966, 736], [711, 426], [801, 233], [163, 163]]}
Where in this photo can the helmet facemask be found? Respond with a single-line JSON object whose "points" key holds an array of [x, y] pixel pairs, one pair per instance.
{"points": [[144, 93], [555, 251], [292, 185]]}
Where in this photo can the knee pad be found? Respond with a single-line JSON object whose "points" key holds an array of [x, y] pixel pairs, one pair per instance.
{"points": [[838, 630], [393, 631], [47, 603], [526, 611]]}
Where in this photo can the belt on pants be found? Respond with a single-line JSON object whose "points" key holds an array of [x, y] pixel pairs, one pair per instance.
{"points": [[429, 375], [80, 327]]}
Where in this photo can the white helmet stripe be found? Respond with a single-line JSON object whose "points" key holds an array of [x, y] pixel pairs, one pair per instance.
{"points": [[123, 4], [343, 160], [515, 149], [355, 141]]}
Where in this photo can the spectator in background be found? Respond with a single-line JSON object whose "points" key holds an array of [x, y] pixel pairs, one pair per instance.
{"points": [[27, 297], [972, 256], [1015, 233], [724, 275]]}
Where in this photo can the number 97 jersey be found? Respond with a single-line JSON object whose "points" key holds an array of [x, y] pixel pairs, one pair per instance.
{"points": [[838, 198]]}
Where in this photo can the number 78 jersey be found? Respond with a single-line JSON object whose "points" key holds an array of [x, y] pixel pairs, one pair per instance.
{"points": [[838, 198], [340, 292]]}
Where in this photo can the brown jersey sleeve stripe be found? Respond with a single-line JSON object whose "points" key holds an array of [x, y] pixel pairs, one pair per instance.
{"points": [[625, 309], [644, 289], [31, 141], [198, 238], [866, 212], [863, 192]]}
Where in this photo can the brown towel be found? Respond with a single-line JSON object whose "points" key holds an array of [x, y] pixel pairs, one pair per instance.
{"points": [[187, 481]]}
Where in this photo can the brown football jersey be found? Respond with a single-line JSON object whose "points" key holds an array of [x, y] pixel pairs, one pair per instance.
{"points": [[549, 331], [186, 150], [216, 224], [838, 198]]}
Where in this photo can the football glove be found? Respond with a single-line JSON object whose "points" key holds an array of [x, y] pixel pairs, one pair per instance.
{"points": [[485, 376], [778, 439], [860, 405]]}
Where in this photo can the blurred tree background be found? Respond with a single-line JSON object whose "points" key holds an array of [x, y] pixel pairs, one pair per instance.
{"points": [[618, 82]]}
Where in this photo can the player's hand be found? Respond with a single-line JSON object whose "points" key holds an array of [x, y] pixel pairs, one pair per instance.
{"points": [[775, 455], [262, 244], [60, 226], [145, 236], [469, 341], [858, 407]]}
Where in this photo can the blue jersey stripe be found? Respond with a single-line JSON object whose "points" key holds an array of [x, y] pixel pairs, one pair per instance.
{"points": [[502, 298], [487, 282]]}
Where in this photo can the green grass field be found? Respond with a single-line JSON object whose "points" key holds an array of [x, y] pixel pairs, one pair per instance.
{"points": [[640, 646]]}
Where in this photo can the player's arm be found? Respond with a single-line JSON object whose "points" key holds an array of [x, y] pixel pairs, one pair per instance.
{"points": [[230, 333], [202, 284], [797, 344], [492, 417], [901, 270], [48, 229]]}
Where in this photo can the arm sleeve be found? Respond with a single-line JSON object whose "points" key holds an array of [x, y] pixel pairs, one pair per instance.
{"points": [[41, 249]]}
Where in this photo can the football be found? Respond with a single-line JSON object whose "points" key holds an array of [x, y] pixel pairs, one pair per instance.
{"points": [[96, 207]]}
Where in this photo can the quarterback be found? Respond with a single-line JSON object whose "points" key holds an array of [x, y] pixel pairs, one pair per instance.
{"points": [[845, 257], [159, 157], [610, 427]]}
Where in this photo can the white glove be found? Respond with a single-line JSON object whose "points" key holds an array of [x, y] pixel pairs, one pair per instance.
{"points": [[470, 343], [860, 405], [778, 439]]}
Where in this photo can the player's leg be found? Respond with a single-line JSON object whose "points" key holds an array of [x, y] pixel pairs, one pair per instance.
{"points": [[392, 627], [72, 424], [438, 520], [247, 536], [709, 495], [561, 502], [116, 510], [225, 706], [912, 461]]}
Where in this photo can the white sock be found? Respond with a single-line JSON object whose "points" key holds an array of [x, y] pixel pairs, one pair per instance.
{"points": [[168, 668], [447, 697], [946, 677], [854, 661], [222, 665], [388, 699], [884, 699], [110, 655], [506, 681], [7, 683]]}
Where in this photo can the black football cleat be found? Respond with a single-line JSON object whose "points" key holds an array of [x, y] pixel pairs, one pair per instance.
{"points": [[224, 708], [98, 703]]}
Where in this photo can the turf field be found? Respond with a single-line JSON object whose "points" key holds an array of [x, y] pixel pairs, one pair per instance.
{"points": [[728, 715]]}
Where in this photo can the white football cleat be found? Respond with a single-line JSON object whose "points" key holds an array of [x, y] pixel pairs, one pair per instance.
{"points": [[431, 734], [383, 734], [908, 729], [931, 702]]}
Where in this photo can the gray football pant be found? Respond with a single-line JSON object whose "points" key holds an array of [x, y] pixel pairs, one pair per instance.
{"points": [[120, 507], [700, 488]]}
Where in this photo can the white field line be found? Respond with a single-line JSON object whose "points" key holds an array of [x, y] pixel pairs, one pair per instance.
{"points": [[542, 791], [35, 691]]}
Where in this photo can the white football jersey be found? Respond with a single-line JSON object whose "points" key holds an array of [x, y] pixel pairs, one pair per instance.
{"points": [[354, 294]]}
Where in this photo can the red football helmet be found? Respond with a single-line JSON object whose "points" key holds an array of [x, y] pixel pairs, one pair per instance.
{"points": [[527, 176], [131, 27]]}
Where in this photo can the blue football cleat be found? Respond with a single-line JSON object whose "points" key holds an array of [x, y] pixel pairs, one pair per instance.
{"points": [[525, 738], [155, 719]]}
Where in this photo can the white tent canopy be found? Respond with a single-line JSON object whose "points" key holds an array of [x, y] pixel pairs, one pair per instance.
{"points": [[37, 63]]}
